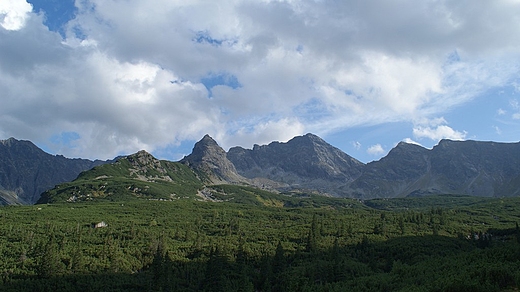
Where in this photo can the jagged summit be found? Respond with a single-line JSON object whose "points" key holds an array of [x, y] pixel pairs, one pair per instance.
{"points": [[211, 160], [304, 162], [404, 147], [13, 142], [310, 137], [207, 149], [207, 146], [207, 139], [8, 142], [142, 158]]}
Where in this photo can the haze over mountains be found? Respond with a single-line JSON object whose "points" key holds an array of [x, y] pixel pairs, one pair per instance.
{"points": [[305, 164]]}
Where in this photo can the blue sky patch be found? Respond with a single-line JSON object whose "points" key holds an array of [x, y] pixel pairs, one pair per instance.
{"points": [[57, 13], [203, 37], [213, 79], [312, 110], [65, 138], [174, 152]]}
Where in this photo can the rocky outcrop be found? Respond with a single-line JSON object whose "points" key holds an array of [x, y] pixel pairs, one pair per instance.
{"points": [[305, 163], [146, 167], [210, 161]]}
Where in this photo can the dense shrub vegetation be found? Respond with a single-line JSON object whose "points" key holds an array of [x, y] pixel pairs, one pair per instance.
{"points": [[251, 240]]}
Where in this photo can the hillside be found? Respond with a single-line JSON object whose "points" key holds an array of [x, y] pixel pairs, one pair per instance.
{"points": [[135, 176], [140, 176]]}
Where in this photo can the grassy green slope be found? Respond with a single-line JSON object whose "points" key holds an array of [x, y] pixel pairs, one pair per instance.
{"points": [[121, 181]]}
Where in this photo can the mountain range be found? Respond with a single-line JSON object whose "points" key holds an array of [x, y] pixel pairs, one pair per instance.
{"points": [[305, 165]]}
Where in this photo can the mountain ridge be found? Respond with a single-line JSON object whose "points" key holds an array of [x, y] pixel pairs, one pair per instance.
{"points": [[308, 164], [475, 168], [304, 162]]}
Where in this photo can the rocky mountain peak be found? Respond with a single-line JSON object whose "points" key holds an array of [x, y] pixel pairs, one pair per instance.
{"points": [[142, 159], [18, 145], [210, 159], [313, 138], [207, 146], [307, 139], [404, 148], [305, 162], [8, 142], [146, 167], [207, 139]]}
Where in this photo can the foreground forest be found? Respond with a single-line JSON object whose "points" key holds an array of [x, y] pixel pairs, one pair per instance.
{"points": [[260, 242]]}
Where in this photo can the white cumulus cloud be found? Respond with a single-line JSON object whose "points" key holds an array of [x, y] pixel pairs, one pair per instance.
{"points": [[376, 149], [13, 13], [436, 129]]}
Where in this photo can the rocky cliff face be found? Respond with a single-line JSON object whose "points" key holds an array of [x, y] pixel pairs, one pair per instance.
{"points": [[26, 171], [305, 162], [210, 160], [397, 174], [477, 168], [452, 167]]}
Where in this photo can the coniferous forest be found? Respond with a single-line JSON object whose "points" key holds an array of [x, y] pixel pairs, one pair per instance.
{"points": [[263, 242]]}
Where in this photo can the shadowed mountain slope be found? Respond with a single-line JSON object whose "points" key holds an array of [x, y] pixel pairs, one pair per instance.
{"points": [[26, 171], [473, 168]]}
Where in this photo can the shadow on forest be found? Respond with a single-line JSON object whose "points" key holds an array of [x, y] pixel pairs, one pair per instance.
{"points": [[415, 263]]}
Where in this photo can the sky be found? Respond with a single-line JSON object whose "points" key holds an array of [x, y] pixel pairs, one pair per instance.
{"points": [[100, 78]]}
